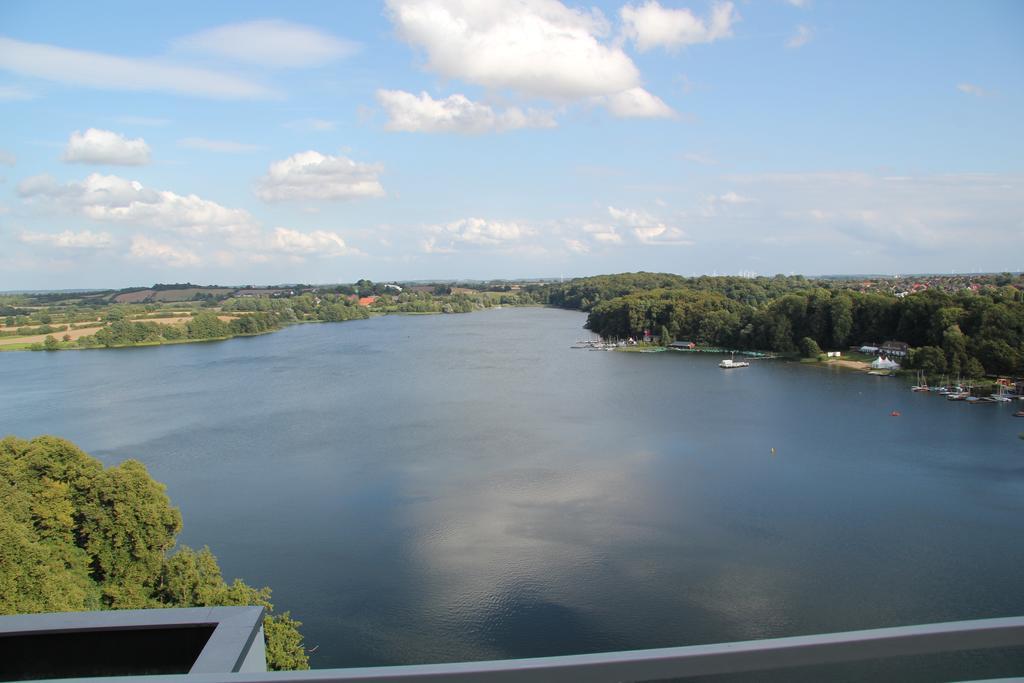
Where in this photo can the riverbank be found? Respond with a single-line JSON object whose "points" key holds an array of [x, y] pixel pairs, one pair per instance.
{"points": [[846, 363]]}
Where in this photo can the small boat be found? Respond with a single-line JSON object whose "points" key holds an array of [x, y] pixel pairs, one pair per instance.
{"points": [[1019, 413], [731, 363], [1001, 396], [894, 413]]}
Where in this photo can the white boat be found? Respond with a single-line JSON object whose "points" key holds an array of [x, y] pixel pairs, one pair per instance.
{"points": [[1001, 396], [922, 383], [730, 363]]}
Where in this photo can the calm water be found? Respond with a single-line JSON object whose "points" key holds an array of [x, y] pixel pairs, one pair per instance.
{"points": [[433, 488]]}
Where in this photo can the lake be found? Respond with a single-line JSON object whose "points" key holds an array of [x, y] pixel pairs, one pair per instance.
{"points": [[437, 488]]}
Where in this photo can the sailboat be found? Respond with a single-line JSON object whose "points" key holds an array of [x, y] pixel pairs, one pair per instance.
{"points": [[922, 382], [1001, 396], [958, 392]]}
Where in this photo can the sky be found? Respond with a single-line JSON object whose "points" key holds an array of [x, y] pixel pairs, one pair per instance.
{"points": [[261, 143]]}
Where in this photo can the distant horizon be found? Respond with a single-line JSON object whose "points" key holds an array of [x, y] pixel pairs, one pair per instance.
{"points": [[275, 285]]}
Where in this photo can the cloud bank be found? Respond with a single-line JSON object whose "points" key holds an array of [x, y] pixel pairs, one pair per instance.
{"points": [[454, 114], [312, 175], [269, 42], [650, 25], [109, 72]]}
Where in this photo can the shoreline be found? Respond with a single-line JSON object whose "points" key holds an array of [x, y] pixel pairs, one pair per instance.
{"points": [[71, 346]]}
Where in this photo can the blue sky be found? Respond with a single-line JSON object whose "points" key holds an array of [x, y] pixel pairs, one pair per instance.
{"points": [[415, 139]]}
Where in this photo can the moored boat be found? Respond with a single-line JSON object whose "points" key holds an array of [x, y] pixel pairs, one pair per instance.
{"points": [[922, 383]]}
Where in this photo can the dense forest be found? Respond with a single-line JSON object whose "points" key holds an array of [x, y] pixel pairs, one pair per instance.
{"points": [[966, 332], [77, 536]]}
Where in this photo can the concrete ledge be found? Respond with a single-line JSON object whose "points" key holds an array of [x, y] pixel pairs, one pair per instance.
{"points": [[133, 642]]}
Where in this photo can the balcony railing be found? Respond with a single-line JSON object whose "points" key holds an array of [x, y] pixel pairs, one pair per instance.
{"points": [[640, 665]]}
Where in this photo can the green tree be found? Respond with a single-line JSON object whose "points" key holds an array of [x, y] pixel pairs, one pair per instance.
{"points": [[206, 325], [809, 348], [930, 359], [76, 536], [51, 343], [841, 316]]}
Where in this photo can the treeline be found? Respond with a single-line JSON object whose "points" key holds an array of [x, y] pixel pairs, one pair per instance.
{"points": [[425, 302], [585, 293], [339, 306], [964, 333], [203, 325], [76, 536], [305, 307]]}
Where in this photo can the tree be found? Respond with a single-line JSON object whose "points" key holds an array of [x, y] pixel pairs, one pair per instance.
{"points": [[75, 536], [666, 338], [841, 315], [51, 343], [930, 359], [809, 348], [206, 325]]}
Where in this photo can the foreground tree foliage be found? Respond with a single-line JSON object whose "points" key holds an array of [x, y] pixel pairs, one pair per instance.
{"points": [[77, 536]]}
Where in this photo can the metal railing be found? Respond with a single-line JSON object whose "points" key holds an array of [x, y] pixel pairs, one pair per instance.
{"points": [[674, 662]]}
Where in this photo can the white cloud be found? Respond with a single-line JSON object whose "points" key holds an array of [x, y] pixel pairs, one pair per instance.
{"points": [[118, 200], [713, 204], [96, 146], [638, 103], [475, 232], [454, 114], [576, 246], [650, 25], [534, 47], [803, 35], [269, 42], [603, 233], [317, 242], [312, 125], [971, 89], [312, 175], [86, 239], [225, 146], [733, 198], [799, 3], [109, 72], [146, 249], [14, 93], [191, 225], [7, 158], [647, 229]]}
